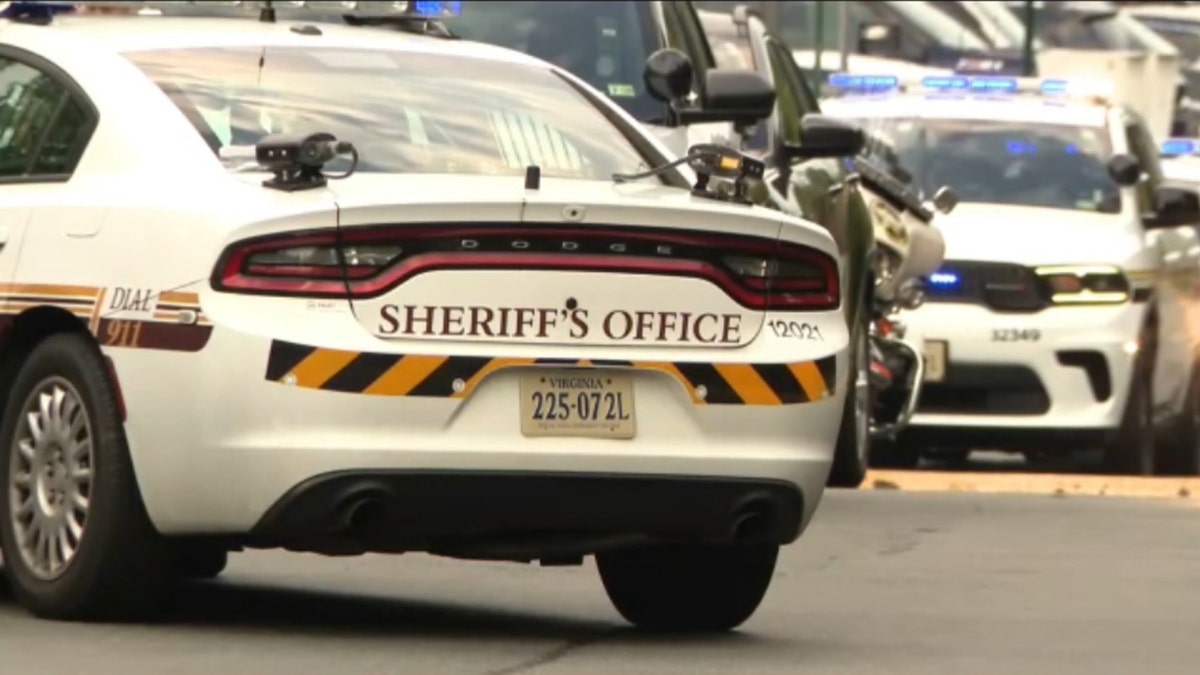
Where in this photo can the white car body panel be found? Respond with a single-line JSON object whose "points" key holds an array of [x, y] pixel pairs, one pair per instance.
{"points": [[1184, 170], [978, 231], [967, 331], [215, 443]]}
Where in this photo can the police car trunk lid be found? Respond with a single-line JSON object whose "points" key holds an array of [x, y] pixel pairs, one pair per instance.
{"points": [[571, 263]]}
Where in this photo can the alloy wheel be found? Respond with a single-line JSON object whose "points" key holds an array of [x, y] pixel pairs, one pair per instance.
{"points": [[50, 477]]}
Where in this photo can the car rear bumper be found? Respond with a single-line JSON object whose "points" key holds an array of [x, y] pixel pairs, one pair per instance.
{"points": [[502, 513], [222, 445]]}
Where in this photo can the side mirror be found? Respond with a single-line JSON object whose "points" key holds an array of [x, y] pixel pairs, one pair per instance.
{"points": [[1174, 207], [879, 39], [669, 75], [945, 199], [738, 95], [1125, 170], [823, 136]]}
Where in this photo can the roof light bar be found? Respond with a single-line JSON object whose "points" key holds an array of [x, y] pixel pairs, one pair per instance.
{"points": [[854, 82], [421, 8], [971, 84], [1179, 147]]}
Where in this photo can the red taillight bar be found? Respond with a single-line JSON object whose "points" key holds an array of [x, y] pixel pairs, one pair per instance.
{"points": [[235, 273]]}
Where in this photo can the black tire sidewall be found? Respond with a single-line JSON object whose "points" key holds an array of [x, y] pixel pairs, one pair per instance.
{"points": [[849, 468], [74, 358], [688, 588]]}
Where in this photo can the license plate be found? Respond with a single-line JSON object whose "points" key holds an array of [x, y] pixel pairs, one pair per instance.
{"points": [[935, 360], [592, 403]]}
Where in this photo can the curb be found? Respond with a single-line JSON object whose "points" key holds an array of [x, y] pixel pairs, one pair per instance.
{"points": [[1187, 489]]}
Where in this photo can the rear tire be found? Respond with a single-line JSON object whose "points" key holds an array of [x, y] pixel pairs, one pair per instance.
{"points": [[97, 555], [687, 588], [850, 457], [199, 561]]}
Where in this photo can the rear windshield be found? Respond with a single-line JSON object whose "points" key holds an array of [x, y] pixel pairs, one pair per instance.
{"points": [[604, 42], [405, 112], [1041, 165]]}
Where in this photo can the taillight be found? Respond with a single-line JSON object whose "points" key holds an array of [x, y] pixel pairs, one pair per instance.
{"points": [[307, 265], [366, 262], [790, 277]]}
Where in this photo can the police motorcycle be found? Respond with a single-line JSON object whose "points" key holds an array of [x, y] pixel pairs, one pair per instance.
{"points": [[907, 250]]}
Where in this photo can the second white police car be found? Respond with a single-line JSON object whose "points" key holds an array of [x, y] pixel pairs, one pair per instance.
{"points": [[1063, 316], [477, 344]]}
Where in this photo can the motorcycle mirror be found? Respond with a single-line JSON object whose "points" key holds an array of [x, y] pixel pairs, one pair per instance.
{"points": [[945, 199]]}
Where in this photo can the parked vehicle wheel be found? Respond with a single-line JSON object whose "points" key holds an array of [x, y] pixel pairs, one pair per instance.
{"points": [[895, 454], [1131, 450], [194, 560], [851, 454], [1180, 455], [680, 588], [76, 538]]}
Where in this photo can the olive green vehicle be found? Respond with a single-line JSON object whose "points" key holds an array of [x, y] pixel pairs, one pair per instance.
{"points": [[824, 190], [607, 42]]}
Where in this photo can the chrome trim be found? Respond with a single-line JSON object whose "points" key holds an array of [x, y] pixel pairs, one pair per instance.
{"points": [[915, 383]]}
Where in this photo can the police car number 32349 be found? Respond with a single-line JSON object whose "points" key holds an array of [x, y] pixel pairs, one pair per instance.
{"points": [[241, 280]]}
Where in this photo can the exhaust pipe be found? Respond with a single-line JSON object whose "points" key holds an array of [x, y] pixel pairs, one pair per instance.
{"points": [[754, 522], [361, 509]]}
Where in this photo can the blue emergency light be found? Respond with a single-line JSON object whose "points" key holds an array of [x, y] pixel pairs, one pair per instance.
{"points": [[1002, 85], [1055, 86], [943, 279], [850, 81], [1177, 147], [946, 82], [966, 84], [436, 8]]}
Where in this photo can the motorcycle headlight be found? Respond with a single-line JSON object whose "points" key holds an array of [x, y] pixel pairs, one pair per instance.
{"points": [[884, 263], [1084, 284]]}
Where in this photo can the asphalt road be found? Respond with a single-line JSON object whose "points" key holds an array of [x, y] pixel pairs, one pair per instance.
{"points": [[883, 582]]}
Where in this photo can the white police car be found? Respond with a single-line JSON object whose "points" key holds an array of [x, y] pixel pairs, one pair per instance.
{"points": [[1181, 161], [209, 342], [1062, 317]]}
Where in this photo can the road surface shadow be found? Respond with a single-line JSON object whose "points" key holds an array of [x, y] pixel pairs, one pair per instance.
{"points": [[239, 607], [984, 461]]}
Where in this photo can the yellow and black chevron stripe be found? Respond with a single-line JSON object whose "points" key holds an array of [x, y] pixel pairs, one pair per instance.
{"points": [[178, 324], [376, 374]]}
